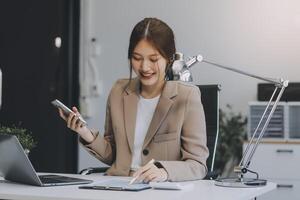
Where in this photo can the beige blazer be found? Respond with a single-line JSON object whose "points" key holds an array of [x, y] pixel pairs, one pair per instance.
{"points": [[176, 136]]}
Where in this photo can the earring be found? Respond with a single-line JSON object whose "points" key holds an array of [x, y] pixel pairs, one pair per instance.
{"points": [[169, 73]]}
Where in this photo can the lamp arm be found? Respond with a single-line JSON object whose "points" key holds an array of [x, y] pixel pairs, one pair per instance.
{"points": [[264, 127], [256, 129], [199, 58]]}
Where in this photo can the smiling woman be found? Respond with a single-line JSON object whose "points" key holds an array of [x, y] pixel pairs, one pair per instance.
{"points": [[150, 117]]}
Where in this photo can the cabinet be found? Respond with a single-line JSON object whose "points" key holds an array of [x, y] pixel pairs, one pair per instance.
{"points": [[277, 158], [279, 162], [286, 189]]}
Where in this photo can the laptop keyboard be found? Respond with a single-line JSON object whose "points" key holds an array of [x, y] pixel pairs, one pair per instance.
{"points": [[57, 179]]}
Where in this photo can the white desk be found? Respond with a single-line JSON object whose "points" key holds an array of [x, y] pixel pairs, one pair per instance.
{"points": [[203, 189]]}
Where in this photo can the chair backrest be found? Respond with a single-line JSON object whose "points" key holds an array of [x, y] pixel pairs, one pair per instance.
{"points": [[210, 101]]}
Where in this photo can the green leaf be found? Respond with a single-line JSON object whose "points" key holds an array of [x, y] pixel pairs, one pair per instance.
{"points": [[24, 136], [232, 133]]}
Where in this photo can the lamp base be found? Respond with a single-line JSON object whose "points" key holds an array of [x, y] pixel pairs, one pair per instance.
{"points": [[240, 182]]}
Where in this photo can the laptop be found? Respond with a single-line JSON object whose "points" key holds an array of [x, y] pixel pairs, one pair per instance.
{"points": [[15, 166]]}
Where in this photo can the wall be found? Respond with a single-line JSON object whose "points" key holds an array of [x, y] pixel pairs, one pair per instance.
{"points": [[257, 36]]}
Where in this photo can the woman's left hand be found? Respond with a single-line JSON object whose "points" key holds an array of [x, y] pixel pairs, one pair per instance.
{"points": [[150, 172]]}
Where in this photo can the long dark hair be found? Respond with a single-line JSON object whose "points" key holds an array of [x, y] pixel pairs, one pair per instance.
{"points": [[160, 35]]}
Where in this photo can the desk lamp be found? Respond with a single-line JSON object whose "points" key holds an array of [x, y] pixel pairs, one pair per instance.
{"points": [[181, 71]]}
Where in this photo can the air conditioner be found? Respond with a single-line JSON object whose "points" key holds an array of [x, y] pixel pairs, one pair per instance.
{"points": [[284, 124]]}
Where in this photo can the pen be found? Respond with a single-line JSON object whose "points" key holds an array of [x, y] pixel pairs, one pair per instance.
{"points": [[134, 178]]}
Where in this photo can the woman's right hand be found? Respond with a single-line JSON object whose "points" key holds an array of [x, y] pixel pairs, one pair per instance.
{"points": [[76, 125]]}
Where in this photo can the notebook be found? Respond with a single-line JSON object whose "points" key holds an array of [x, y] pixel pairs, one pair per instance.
{"points": [[15, 166], [116, 184]]}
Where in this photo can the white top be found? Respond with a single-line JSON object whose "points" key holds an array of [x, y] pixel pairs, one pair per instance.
{"points": [[145, 111]]}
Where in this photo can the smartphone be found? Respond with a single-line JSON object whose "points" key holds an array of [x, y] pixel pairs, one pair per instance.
{"points": [[65, 109]]}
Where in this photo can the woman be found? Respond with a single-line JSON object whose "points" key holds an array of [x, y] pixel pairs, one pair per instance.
{"points": [[149, 117]]}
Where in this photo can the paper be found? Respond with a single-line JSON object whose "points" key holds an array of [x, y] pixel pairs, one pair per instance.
{"points": [[171, 185]]}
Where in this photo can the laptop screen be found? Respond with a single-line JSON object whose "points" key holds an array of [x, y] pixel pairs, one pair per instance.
{"points": [[15, 166]]}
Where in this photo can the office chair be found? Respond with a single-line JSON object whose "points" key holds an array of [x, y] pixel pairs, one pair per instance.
{"points": [[210, 101]]}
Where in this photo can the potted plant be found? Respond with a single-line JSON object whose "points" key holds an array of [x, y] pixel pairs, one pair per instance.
{"points": [[24, 136], [232, 134]]}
